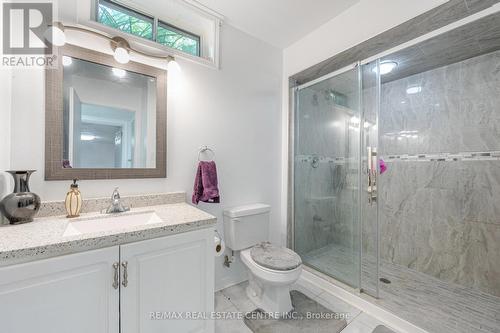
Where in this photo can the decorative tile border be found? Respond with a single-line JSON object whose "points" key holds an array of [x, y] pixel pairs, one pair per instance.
{"points": [[56, 208], [437, 157], [320, 159], [444, 157]]}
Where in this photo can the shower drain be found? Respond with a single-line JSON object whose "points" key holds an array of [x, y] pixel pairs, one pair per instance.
{"points": [[384, 280]]}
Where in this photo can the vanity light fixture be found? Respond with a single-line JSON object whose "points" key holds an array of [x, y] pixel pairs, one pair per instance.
{"points": [[121, 49], [120, 46], [55, 34], [173, 66]]}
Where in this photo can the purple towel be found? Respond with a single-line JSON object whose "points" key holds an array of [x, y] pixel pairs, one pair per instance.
{"points": [[383, 167], [205, 183]]}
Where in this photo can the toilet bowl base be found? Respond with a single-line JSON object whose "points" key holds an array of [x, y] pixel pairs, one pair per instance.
{"points": [[272, 299]]}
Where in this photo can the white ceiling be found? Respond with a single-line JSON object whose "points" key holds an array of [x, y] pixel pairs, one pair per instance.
{"points": [[278, 22]]}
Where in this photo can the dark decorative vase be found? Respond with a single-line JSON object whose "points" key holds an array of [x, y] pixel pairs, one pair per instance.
{"points": [[22, 205]]}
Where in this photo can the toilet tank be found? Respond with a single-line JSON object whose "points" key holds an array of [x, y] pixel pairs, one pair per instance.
{"points": [[246, 226]]}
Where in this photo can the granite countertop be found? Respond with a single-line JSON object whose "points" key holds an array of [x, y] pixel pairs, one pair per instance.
{"points": [[45, 237]]}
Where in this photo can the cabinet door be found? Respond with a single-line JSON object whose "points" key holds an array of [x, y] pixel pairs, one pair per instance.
{"points": [[167, 275], [72, 293]]}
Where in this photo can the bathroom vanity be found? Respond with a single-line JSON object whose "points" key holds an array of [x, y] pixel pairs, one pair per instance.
{"points": [[123, 273]]}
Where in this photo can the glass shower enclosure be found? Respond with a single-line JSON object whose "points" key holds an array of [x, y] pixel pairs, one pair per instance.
{"points": [[335, 172], [424, 231]]}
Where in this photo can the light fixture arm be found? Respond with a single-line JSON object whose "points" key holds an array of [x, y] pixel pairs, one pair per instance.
{"points": [[168, 58], [119, 42]]}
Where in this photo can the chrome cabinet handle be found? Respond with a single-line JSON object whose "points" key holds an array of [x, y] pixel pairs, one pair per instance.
{"points": [[125, 274], [116, 276]]}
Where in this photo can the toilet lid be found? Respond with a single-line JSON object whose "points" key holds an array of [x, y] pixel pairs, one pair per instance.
{"points": [[274, 257]]}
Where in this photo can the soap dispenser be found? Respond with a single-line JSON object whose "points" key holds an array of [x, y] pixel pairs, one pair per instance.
{"points": [[73, 200]]}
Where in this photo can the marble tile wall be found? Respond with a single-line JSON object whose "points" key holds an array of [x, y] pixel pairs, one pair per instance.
{"points": [[443, 218], [456, 110]]}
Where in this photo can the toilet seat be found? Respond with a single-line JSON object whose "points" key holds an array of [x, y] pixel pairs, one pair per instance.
{"points": [[270, 275], [274, 257]]}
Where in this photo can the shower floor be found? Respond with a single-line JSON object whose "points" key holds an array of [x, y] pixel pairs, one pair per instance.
{"points": [[335, 261], [425, 301]]}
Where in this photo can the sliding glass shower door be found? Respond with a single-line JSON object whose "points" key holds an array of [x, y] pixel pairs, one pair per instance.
{"points": [[332, 195]]}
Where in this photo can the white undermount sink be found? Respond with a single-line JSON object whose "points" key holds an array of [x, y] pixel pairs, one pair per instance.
{"points": [[110, 222]]}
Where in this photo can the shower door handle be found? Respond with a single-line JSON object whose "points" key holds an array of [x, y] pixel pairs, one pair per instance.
{"points": [[372, 174]]}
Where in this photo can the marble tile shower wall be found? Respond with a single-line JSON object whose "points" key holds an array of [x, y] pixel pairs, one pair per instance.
{"points": [[456, 110], [325, 196], [443, 218]]}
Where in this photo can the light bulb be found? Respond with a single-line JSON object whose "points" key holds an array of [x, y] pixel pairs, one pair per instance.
{"points": [[55, 35], [67, 61], [173, 66], [121, 55]]}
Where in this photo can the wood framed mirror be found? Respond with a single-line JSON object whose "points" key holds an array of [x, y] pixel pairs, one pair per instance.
{"points": [[103, 119]]}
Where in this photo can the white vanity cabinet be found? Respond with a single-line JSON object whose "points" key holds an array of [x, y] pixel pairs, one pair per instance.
{"points": [[73, 293], [132, 286], [168, 277]]}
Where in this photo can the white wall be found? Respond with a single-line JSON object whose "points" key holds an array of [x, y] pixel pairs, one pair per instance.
{"points": [[360, 22], [5, 111], [236, 111]]}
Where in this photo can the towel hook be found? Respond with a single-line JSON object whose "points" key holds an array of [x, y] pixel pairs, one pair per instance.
{"points": [[204, 149]]}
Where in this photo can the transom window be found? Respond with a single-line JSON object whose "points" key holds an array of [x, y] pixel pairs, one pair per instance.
{"points": [[125, 19], [178, 39]]}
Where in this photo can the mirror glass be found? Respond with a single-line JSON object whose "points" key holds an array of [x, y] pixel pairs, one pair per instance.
{"points": [[109, 117]]}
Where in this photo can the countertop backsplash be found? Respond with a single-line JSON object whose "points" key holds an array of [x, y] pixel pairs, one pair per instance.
{"points": [[56, 208]]}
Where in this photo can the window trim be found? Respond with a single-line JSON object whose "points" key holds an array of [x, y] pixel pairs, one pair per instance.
{"points": [[156, 22]]}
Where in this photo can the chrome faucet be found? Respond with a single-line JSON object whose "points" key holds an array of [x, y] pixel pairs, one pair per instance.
{"points": [[116, 205]]}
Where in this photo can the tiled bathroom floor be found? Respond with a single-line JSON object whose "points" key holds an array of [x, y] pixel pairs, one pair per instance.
{"points": [[430, 303], [235, 300]]}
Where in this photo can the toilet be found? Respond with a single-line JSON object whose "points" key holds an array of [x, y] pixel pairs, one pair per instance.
{"points": [[271, 269]]}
